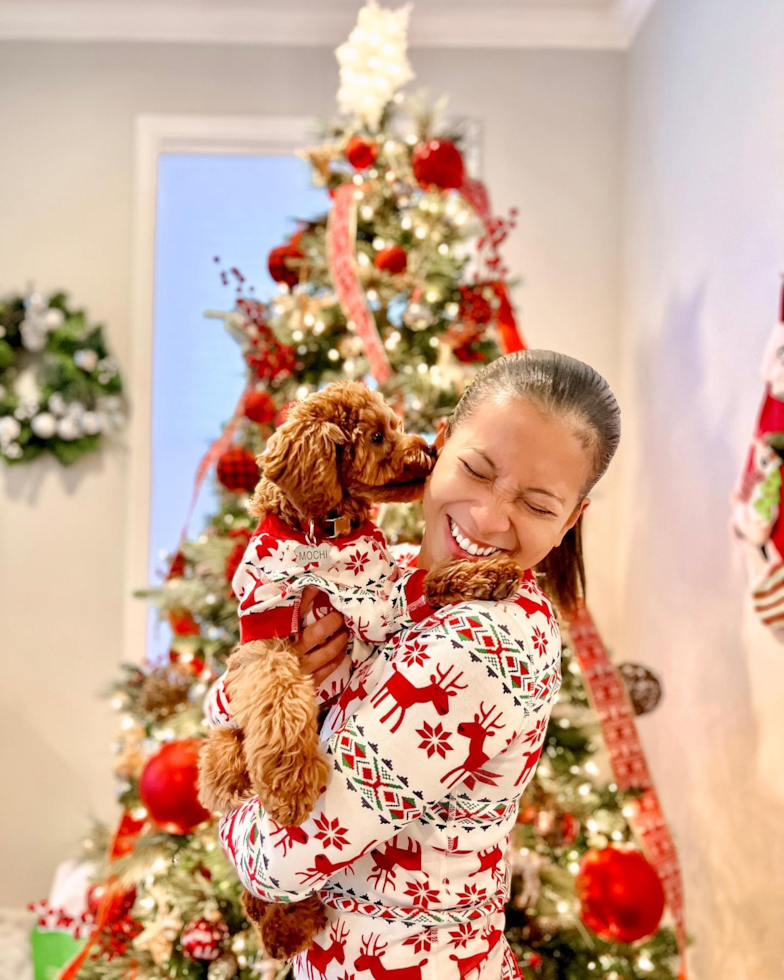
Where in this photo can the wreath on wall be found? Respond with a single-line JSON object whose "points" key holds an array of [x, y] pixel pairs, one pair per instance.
{"points": [[60, 389]]}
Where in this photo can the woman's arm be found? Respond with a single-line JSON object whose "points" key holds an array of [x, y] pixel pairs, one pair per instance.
{"points": [[454, 692]]}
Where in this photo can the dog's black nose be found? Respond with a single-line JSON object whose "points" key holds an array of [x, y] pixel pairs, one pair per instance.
{"points": [[432, 452]]}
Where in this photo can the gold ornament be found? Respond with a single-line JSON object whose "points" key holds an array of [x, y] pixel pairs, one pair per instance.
{"points": [[224, 968], [159, 936], [320, 157], [129, 761], [301, 309]]}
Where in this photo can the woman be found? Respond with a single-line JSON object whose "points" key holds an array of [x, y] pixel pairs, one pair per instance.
{"points": [[439, 732]]}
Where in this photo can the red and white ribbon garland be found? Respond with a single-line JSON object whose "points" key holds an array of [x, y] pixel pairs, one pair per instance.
{"points": [[616, 719], [341, 244]]}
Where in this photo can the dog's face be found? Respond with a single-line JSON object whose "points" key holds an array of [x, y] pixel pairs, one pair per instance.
{"points": [[345, 442]]}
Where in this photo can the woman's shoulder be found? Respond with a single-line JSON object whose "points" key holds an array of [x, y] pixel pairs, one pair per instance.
{"points": [[521, 628], [528, 609]]}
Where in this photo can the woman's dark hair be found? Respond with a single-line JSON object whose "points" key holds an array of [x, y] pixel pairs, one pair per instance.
{"points": [[573, 391]]}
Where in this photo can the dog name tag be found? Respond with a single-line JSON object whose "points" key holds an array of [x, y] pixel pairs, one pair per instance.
{"points": [[307, 554]]}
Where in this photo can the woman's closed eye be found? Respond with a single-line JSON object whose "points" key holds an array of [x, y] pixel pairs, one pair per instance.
{"points": [[473, 473], [485, 479]]}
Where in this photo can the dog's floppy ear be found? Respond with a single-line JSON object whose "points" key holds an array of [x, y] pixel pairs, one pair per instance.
{"points": [[301, 458]]}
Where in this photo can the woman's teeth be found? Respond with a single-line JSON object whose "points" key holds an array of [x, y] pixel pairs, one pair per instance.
{"points": [[467, 545]]}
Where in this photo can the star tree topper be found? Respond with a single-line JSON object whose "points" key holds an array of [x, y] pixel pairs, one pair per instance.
{"points": [[374, 62]]}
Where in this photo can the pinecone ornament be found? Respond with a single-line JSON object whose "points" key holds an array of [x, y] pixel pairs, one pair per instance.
{"points": [[165, 689]]}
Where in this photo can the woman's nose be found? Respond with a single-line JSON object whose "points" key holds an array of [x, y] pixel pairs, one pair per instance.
{"points": [[490, 517]]}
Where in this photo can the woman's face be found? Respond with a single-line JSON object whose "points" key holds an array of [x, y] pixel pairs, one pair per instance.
{"points": [[508, 479]]}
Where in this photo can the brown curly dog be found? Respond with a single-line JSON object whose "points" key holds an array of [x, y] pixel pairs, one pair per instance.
{"points": [[339, 451]]}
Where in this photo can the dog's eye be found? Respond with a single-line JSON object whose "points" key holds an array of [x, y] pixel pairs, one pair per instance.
{"points": [[377, 438]]}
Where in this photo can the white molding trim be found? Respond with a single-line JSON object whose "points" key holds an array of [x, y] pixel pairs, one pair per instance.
{"points": [[323, 23], [631, 15], [155, 135]]}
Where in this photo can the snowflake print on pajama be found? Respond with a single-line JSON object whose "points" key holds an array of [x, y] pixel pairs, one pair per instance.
{"points": [[432, 744]]}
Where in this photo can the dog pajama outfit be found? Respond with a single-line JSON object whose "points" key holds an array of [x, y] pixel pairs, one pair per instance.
{"points": [[356, 574], [431, 746]]}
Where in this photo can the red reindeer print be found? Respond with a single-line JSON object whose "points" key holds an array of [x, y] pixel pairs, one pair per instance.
{"points": [[358, 692], [318, 958], [488, 860], [476, 732], [531, 758], [288, 836], [323, 867], [405, 694], [369, 961], [466, 965], [392, 857], [531, 607]]}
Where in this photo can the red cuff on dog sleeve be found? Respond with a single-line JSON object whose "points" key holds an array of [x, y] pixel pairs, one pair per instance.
{"points": [[418, 606], [279, 621]]}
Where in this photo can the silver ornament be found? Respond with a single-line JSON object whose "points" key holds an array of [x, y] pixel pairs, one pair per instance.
{"points": [[44, 425], [53, 318], [86, 359], [68, 428], [91, 423], [13, 450], [57, 403], [9, 429]]}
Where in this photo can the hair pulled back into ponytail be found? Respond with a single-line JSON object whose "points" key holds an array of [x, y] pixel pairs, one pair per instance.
{"points": [[575, 392]]}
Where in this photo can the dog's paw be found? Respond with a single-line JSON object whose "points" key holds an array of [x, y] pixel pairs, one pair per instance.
{"points": [[289, 797], [496, 578]]}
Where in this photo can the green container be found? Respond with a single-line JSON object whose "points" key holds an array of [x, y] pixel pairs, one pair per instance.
{"points": [[51, 951]]}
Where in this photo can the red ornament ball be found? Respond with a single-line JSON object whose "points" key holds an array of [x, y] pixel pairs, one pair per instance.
{"points": [[168, 787], [237, 470], [204, 940], [119, 903], [278, 262], [392, 260], [438, 162], [259, 407], [621, 895], [361, 153]]}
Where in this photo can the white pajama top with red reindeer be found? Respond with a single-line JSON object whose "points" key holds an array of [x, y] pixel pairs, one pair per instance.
{"points": [[432, 744]]}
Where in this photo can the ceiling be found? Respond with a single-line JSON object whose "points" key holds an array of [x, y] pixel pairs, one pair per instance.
{"points": [[609, 24]]}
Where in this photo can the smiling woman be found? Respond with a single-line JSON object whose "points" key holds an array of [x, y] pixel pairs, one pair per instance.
{"points": [[436, 735], [525, 445]]}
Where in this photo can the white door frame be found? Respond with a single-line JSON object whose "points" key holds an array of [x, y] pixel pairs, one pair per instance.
{"points": [[157, 134]]}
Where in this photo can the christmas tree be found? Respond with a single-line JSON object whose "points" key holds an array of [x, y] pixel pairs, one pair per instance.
{"points": [[400, 284]]}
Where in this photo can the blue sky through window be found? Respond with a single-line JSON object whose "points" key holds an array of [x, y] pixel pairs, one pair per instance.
{"points": [[236, 207]]}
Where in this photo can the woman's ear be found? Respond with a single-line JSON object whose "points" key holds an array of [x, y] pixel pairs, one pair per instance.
{"points": [[575, 516], [301, 459]]}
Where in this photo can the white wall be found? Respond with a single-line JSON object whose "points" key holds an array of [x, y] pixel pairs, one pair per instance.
{"points": [[552, 147], [703, 247]]}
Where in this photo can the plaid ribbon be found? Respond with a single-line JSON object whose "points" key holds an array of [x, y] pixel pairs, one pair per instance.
{"points": [[616, 719], [341, 241]]}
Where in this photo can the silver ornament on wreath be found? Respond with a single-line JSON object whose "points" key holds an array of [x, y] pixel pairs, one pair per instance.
{"points": [[643, 686]]}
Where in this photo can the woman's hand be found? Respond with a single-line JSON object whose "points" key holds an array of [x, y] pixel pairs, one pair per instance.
{"points": [[321, 646]]}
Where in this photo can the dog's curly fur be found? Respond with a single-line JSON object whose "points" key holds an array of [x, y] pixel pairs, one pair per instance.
{"points": [[338, 451]]}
